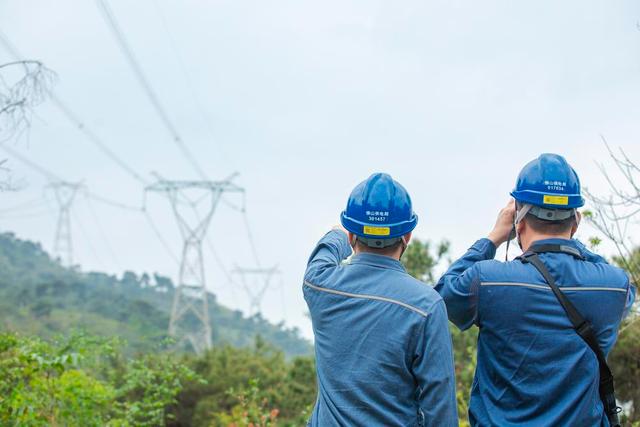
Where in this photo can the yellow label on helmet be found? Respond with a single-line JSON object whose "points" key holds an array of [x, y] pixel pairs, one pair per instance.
{"points": [[555, 200], [377, 231]]}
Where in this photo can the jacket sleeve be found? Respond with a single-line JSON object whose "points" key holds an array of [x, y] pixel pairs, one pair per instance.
{"points": [[459, 285], [631, 298], [434, 370], [588, 255], [330, 251]]}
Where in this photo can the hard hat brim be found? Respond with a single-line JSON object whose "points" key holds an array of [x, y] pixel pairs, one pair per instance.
{"points": [[378, 230], [548, 200]]}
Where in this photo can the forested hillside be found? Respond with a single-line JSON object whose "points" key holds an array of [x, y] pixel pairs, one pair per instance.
{"points": [[75, 376], [39, 297]]}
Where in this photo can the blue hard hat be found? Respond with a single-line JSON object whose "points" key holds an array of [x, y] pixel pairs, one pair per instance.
{"points": [[379, 208], [549, 182]]}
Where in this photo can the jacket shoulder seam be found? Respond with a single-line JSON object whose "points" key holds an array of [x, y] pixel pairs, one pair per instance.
{"points": [[367, 296]]}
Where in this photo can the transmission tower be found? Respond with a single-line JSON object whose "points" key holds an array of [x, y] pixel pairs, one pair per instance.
{"points": [[255, 282], [189, 321], [65, 193]]}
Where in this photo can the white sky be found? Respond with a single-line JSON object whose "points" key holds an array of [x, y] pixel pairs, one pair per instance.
{"points": [[306, 99]]}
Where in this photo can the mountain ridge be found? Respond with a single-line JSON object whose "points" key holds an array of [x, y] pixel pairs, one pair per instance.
{"points": [[39, 296]]}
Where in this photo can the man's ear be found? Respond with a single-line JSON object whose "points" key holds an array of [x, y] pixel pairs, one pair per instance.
{"points": [[520, 226], [574, 228], [352, 239], [407, 237]]}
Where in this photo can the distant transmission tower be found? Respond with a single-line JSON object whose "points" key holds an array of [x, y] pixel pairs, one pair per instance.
{"points": [[255, 282], [65, 193], [189, 321]]}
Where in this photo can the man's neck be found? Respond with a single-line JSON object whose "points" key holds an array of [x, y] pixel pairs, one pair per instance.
{"points": [[526, 243], [391, 254]]}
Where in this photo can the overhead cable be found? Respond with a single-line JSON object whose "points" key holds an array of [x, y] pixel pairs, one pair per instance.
{"points": [[126, 49], [112, 202], [206, 122], [103, 234], [84, 233], [161, 239], [43, 171], [73, 117], [27, 205]]}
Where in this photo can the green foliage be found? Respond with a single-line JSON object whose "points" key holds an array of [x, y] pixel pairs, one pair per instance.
{"points": [[420, 263], [41, 384], [419, 260], [82, 381], [630, 263], [251, 411], [625, 364], [464, 350], [247, 382], [625, 356], [147, 387], [594, 242], [40, 297]]}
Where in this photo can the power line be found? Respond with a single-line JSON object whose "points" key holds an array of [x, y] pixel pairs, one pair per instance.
{"points": [[27, 215], [255, 282], [26, 205], [84, 233], [112, 203], [92, 136], [126, 49], [54, 178], [38, 168], [72, 117], [243, 210], [161, 239], [103, 235], [188, 79], [76, 121], [218, 260]]}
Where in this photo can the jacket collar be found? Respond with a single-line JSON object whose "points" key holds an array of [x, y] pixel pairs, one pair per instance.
{"points": [[376, 260], [556, 241]]}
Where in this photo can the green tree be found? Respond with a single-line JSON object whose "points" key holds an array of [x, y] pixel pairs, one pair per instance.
{"points": [[625, 356], [42, 384], [419, 260], [84, 381], [40, 297], [420, 263], [256, 380]]}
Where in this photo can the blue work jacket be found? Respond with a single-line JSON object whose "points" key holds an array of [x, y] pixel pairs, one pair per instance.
{"points": [[533, 369], [382, 343]]}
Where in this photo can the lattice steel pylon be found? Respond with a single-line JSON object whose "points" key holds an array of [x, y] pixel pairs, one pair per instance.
{"points": [[65, 193], [255, 282], [189, 321]]}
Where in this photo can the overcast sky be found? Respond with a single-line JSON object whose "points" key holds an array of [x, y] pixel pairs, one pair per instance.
{"points": [[306, 99]]}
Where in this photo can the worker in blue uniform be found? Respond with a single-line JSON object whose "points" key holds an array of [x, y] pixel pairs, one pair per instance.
{"points": [[382, 343], [533, 368]]}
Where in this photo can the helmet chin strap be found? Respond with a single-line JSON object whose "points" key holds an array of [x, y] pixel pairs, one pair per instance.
{"points": [[520, 214], [575, 213], [403, 242]]}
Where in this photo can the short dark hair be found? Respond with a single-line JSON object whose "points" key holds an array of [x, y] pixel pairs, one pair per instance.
{"points": [[362, 247], [550, 227]]}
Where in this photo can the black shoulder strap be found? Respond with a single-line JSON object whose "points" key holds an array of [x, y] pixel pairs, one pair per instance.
{"points": [[580, 324]]}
